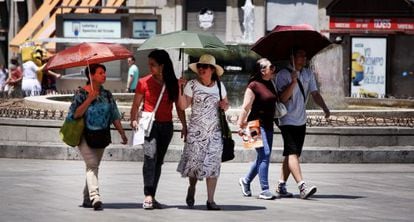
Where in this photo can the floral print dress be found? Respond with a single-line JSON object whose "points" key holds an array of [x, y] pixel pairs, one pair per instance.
{"points": [[201, 157]]}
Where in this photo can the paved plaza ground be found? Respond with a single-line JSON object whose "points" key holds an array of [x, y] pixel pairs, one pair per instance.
{"points": [[50, 190]]}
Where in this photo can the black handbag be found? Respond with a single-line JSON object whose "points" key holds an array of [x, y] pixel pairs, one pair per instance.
{"points": [[97, 139], [228, 142]]}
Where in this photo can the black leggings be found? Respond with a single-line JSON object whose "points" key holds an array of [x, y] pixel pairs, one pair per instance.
{"points": [[155, 148]]}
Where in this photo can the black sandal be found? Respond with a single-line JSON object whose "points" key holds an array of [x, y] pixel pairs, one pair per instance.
{"points": [[190, 197], [212, 206]]}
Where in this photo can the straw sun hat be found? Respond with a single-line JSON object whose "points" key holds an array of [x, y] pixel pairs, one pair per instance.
{"points": [[207, 59]]}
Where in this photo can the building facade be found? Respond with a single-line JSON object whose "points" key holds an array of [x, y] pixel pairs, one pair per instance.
{"points": [[377, 38], [239, 23]]}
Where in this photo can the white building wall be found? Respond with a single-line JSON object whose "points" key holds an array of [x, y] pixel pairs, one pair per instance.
{"points": [[291, 12]]}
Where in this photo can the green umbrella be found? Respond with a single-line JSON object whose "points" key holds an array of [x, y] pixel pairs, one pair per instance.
{"points": [[184, 40]]}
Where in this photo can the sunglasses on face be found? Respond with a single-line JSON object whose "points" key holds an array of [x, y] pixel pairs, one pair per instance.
{"points": [[203, 66]]}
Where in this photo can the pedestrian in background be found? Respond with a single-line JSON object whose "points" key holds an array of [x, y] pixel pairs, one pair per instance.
{"points": [[201, 156], [294, 85], [98, 108], [4, 73], [14, 82], [48, 80], [155, 146], [133, 75], [258, 104]]}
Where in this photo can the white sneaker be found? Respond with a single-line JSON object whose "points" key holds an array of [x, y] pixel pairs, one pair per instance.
{"points": [[266, 195], [305, 191]]}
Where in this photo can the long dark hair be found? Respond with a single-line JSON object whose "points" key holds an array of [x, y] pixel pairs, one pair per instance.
{"points": [[92, 68], [168, 74], [259, 66]]}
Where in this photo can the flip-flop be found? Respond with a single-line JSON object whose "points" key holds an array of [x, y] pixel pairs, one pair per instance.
{"points": [[147, 205]]}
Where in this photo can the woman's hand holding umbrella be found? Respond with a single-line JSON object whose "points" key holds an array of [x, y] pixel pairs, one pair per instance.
{"points": [[92, 94], [181, 83], [294, 76]]}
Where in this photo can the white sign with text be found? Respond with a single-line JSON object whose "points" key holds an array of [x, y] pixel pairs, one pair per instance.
{"points": [[91, 29]]}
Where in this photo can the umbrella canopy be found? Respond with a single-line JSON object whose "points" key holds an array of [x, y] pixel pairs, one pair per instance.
{"points": [[278, 44], [183, 40], [87, 53]]}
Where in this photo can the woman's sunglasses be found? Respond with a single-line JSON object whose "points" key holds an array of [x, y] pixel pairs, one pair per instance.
{"points": [[203, 66]]}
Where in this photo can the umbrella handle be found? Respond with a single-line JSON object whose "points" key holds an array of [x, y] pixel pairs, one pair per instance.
{"points": [[90, 76], [293, 61], [181, 57]]}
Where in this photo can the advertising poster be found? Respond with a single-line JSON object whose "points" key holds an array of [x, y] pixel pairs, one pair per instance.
{"points": [[368, 67]]}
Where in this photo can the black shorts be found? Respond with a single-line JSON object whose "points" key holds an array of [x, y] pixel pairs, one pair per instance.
{"points": [[293, 138]]}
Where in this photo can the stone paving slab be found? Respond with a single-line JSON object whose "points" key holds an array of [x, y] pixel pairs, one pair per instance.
{"points": [[50, 190]]}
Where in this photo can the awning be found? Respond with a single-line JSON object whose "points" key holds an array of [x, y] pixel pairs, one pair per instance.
{"points": [[377, 25], [361, 31], [34, 22]]}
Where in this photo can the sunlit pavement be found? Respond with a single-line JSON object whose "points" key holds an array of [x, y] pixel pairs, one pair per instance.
{"points": [[51, 190]]}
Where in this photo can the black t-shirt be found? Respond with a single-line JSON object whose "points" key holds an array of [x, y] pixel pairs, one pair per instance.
{"points": [[263, 107]]}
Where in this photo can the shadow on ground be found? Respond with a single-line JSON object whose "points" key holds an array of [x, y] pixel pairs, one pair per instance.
{"points": [[183, 207], [122, 205], [335, 196]]}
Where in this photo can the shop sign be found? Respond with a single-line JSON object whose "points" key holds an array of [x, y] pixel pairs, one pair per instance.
{"points": [[391, 24], [91, 29], [144, 29], [368, 67]]}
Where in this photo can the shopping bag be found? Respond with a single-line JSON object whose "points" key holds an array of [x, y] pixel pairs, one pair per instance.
{"points": [[71, 131]]}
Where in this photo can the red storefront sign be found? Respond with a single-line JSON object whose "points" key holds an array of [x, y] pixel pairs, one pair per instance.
{"points": [[389, 24]]}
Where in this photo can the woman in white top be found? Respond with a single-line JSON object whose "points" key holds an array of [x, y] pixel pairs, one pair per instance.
{"points": [[201, 157]]}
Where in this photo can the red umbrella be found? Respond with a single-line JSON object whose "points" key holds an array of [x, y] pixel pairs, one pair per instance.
{"points": [[87, 53], [278, 44]]}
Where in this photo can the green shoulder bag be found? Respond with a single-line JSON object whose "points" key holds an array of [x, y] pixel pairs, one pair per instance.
{"points": [[71, 131]]}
